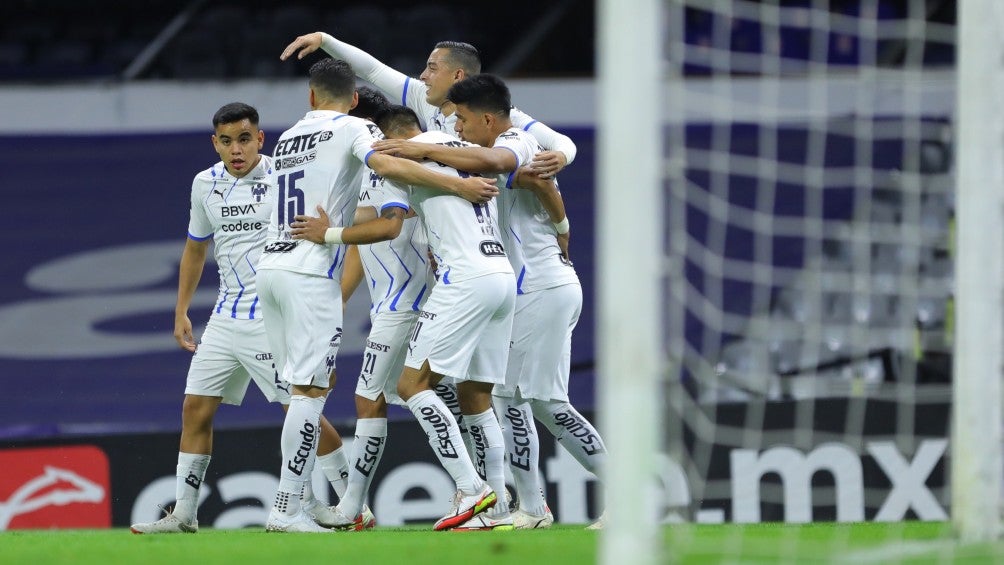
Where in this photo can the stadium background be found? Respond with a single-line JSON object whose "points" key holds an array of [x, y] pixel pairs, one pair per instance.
{"points": [[98, 152], [104, 148]]}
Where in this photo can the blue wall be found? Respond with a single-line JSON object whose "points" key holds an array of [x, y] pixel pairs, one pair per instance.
{"points": [[96, 226]]}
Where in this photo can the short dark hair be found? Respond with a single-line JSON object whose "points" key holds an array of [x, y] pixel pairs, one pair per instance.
{"points": [[484, 93], [462, 56], [371, 103], [396, 118], [235, 112], [333, 78]]}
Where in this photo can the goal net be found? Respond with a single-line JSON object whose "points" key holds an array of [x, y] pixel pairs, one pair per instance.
{"points": [[809, 210]]}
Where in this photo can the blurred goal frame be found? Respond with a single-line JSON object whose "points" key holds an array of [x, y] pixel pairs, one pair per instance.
{"points": [[630, 344], [978, 361]]}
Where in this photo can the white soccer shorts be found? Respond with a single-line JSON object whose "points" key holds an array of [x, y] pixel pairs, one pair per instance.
{"points": [[541, 350], [463, 329], [303, 322], [230, 354], [383, 358]]}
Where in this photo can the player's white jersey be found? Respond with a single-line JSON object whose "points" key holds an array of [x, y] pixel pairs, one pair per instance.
{"points": [[529, 236], [464, 237], [235, 212], [397, 271], [318, 161]]}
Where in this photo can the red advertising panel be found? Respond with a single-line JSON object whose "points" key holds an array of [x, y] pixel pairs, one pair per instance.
{"points": [[54, 487]]}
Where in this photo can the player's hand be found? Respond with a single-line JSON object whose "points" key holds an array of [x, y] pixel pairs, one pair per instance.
{"points": [[563, 245], [402, 148], [183, 333], [304, 44], [478, 190], [546, 164], [310, 228]]}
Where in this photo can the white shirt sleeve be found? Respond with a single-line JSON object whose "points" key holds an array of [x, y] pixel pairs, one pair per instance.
{"points": [[546, 137], [360, 139], [521, 148], [395, 194], [199, 226]]}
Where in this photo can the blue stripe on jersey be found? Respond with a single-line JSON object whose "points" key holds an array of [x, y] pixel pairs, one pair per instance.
{"points": [[514, 234], [527, 126], [404, 93], [219, 307], [233, 310], [393, 304], [386, 270], [508, 181], [338, 117], [446, 277], [366, 161], [421, 256], [401, 205], [519, 281], [254, 306], [197, 238], [334, 264], [414, 305]]}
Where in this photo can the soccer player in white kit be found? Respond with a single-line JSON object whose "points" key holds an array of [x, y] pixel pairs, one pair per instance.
{"points": [[549, 298], [319, 164], [230, 203], [462, 333]]}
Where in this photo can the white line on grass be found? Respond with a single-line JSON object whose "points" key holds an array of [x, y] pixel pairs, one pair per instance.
{"points": [[894, 551]]}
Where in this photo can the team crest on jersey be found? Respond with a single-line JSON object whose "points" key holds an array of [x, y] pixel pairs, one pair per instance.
{"points": [[259, 190]]}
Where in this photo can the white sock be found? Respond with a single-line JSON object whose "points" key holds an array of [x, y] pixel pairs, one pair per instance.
{"points": [[371, 437], [489, 445], [444, 437], [335, 466], [573, 432], [300, 431], [447, 392], [523, 452], [190, 473]]}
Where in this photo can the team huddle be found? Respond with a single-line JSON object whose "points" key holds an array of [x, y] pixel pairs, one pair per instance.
{"points": [[447, 207]]}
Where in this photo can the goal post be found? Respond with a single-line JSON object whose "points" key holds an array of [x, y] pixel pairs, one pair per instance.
{"points": [[629, 247], [979, 281]]}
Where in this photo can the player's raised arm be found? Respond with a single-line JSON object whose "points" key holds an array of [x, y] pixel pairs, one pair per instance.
{"points": [[390, 81]]}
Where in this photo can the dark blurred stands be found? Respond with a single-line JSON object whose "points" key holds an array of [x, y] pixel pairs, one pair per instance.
{"points": [[51, 40]]}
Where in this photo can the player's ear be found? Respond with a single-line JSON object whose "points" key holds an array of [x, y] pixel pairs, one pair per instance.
{"points": [[355, 100], [261, 139]]}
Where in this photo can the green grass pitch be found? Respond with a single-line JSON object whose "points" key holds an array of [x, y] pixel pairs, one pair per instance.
{"points": [[858, 544]]}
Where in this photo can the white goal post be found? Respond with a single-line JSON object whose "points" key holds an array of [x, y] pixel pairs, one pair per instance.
{"points": [[628, 246], [979, 278]]}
